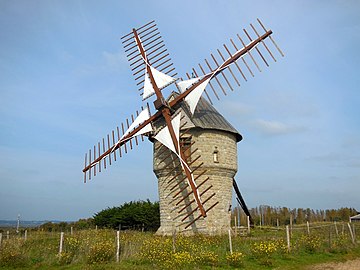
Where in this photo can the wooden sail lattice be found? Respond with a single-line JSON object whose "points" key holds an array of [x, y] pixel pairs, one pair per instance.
{"points": [[156, 51], [106, 151], [243, 67]]}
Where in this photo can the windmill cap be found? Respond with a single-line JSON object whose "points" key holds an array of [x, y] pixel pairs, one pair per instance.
{"points": [[206, 117]]}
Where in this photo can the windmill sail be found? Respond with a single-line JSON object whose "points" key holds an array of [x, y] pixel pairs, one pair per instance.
{"points": [[148, 89], [107, 150], [162, 80], [164, 136], [233, 61], [193, 98], [156, 53], [184, 85], [141, 118], [153, 70]]}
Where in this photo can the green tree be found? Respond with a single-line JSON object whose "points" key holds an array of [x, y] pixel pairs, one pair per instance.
{"points": [[300, 216], [83, 224], [132, 215]]}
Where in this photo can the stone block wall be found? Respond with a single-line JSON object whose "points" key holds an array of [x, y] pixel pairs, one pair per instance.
{"points": [[218, 153]]}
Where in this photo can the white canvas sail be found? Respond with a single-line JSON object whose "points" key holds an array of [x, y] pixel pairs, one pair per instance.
{"points": [[148, 88], [192, 99], [148, 128], [183, 85], [164, 136], [162, 80], [141, 118]]}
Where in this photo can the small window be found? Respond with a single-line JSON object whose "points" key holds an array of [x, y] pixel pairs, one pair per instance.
{"points": [[216, 155], [185, 144]]}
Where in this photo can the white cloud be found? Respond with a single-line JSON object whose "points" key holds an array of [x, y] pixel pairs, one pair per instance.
{"points": [[275, 127]]}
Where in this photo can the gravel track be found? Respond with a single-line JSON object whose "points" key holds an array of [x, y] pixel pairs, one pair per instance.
{"points": [[348, 265]]}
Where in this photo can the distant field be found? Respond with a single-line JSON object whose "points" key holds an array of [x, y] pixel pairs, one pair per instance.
{"points": [[24, 224], [263, 248]]}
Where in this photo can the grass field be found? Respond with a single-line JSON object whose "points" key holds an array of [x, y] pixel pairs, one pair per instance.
{"points": [[264, 248]]}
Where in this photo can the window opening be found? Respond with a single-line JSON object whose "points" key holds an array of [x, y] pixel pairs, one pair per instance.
{"points": [[185, 145], [216, 155]]}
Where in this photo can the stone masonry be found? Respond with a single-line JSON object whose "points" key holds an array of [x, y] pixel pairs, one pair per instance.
{"points": [[215, 150]]}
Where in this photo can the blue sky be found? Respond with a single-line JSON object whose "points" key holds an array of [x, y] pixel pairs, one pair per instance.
{"points": [[65, 83]]}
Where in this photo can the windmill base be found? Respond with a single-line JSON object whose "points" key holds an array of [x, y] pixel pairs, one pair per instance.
{"points": [[217, 220], [177, 214], [163, 231]]}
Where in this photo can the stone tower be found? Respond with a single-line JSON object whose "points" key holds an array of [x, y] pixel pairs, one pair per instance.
{"points": [[211, 146]]}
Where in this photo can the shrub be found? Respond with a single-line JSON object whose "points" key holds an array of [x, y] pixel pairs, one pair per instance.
{"points": [[340, 244], [281, 246], [101, 252], [135, 215], [181, 258], [65, 257], [207, 258], [160, 252], [263, 251], [11, 253], [71, 245], [310, 243], [264, 248], [236, 259], [156, 250]]}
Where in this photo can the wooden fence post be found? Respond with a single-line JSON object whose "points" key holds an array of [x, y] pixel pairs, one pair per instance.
{"points": [[7, 235], [291, 224], [248, 225], [336, 229], [61, 242], [351, 234], [117, 246], [277, 223], [308, 227], [71, 230], [235, 226], [25, 235], [18, 224], [0, 239], [230, 242], [354, 232], [288, 237]]}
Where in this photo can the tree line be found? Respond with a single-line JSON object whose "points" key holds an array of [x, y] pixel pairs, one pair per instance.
{"points": [[138, 215], [145, 215], [134, 215], [272, 216]]}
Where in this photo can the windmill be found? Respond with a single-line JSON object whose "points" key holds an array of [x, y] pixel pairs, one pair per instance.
{"points": [[194, 197]]}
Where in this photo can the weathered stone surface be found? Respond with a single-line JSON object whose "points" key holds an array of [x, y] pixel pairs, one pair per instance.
{"points": [[213, 161], [220, 170]]}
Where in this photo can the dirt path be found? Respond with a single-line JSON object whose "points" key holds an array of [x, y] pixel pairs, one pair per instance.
{"points": [[348, 265]]}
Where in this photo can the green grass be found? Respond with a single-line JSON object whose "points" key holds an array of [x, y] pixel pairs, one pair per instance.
{"points": [[264, 249]]}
